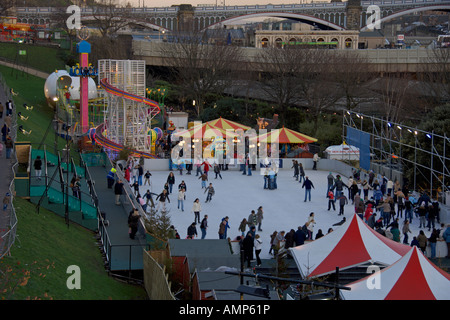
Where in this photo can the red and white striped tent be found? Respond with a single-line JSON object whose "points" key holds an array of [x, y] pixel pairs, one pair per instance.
{"points": [[413, 277], [351, 244]]}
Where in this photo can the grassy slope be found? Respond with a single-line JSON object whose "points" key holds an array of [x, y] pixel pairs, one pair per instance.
{"points": [[42, 58], [45, 248], [30, 91]]}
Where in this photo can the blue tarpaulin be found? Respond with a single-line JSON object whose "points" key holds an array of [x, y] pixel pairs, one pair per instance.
{"points": [[361, 140]]}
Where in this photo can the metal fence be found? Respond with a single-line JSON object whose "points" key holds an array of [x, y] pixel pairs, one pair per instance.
{"points": [[129, 204], [8, 227]]}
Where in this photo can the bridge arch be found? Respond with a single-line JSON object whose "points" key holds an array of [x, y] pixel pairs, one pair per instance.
{"points": [[311, 20], [138, 22], [390, 16]]}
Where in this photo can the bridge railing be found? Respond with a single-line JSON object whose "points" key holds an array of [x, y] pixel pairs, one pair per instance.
{"points": [[90, 10]]}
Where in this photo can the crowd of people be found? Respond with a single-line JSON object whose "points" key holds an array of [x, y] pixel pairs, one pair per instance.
{"points": [[7, 142], [383, 204], [390, 209]]}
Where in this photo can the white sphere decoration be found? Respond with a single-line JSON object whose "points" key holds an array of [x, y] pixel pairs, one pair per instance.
{"points": [[73, 84]]}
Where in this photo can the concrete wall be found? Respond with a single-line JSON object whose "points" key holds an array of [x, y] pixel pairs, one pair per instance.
{"points": [[324, 164]]}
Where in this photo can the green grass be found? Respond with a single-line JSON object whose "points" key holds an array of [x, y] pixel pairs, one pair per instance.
{"points": [[46, 246], [45, 59], [30, 91], [44, 249]]}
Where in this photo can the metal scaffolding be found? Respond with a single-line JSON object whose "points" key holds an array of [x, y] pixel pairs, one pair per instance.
{"points": [[397, 147], [127, 121]]}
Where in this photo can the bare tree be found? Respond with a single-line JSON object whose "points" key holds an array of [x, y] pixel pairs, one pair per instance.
{"points": [[110, 17], [435, 73], [279, 77], [5, 6], [299, 76], [200, 68], [397, 96], [351, 73]]}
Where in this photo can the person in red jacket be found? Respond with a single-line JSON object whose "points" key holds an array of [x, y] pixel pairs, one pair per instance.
{"points": [[330, 197], [369, 212], [206, 166]]}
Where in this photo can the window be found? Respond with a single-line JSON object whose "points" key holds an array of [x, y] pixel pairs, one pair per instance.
{"points": [[348, 43], [278, 43], [264, 42]]}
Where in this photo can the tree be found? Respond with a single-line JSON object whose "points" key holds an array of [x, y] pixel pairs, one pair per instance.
{"points": [[351, 72], [5, 6], [436, 76], [299, 76], [109, 17], [279, 78], [200, 68], [397, 93], [436, 122]]}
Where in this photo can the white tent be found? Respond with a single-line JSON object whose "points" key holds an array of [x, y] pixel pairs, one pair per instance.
{"points": [[413, 277], [342, 152], [351, 244]]}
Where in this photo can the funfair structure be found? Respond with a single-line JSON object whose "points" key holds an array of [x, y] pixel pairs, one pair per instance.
{"points": [[128, 117]]}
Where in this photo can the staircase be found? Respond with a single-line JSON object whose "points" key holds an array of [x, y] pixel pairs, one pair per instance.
{"points": [[51, 191]]}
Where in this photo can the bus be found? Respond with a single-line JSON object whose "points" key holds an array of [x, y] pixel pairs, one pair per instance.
{"points": [[18, 32], [443, 41]]}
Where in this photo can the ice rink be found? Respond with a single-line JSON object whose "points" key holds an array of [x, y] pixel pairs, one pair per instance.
{"points": [[236, 195]]}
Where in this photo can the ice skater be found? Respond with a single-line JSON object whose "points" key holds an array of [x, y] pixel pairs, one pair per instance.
{"points": [[181, 198], [331, 200], [301, 172], [342, 202], [296, 171], [307, 185], [217, 171], [196, 209], [162, 197], [211, 192], [204, 178]]}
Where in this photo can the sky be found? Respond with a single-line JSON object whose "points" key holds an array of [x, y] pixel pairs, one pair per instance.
{"points": [[168, 3]]}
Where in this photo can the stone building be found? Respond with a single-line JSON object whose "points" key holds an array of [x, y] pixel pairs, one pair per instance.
{"points": [[331, 39]]}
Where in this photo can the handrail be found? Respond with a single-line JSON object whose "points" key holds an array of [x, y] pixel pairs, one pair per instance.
{"points": [[10, 236]]}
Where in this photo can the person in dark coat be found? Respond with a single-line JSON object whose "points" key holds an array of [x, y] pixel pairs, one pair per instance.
{"points": [[319, 234], [308, 185], [296, 170], [338, 186], [118, 191], [301, 172], [171, 181], [340, 222], [289, 237], [111, 178], [247, 245], [299, 237], [38, 167], [133, 220], [192, 231], [372, 220]]}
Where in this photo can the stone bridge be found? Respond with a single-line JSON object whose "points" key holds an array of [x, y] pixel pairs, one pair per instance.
{"points": [[354, 14]]}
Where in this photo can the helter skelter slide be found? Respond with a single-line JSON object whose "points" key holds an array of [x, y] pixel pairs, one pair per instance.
{"points": [[127, 123]]}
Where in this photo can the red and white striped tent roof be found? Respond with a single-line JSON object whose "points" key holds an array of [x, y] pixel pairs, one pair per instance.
{"points": [[413, 277], [351, 244]]}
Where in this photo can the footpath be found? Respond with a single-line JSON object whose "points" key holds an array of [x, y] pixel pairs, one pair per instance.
{"points": [[6, 176], [28, 70]]}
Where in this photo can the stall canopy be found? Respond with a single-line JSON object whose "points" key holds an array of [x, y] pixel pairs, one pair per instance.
{"points": [[285, 135], [351, 244], [204, 131], [227, 124], [342, 152], [413, 277]]}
